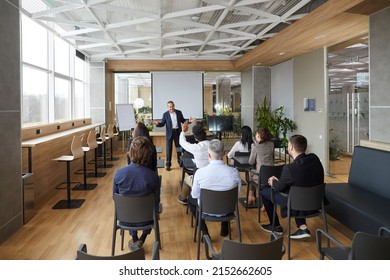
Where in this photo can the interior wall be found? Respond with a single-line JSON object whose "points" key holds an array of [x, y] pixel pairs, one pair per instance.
{"points": [[255, 85], [309, 79], [98, 92], [282, 87], [380, 76], [11, 206]]}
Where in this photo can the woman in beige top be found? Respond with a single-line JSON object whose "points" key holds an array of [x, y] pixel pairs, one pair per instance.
{"points": [[262, 153]]}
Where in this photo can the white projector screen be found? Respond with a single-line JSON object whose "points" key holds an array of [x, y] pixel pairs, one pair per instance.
{"points": [[185, 89]]}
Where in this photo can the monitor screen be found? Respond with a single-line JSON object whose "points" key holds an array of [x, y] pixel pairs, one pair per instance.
{"points": [[220, 123]]}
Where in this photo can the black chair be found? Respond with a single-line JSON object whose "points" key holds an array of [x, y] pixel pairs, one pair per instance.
{"points": [[138, 254], [217, 206], [185, 170], [135, 209], [302, 202], [243, 167], [364, 246], [265, 172], [233, 250]]}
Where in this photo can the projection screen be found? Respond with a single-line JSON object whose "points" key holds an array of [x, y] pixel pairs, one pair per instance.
{"points": [[185, 89]]}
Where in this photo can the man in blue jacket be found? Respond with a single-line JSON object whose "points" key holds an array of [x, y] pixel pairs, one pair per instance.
{"points": [[172, 119]]}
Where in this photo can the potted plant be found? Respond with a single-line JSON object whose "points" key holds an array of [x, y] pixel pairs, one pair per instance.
{"points": [[333, 149], [275, 121]]}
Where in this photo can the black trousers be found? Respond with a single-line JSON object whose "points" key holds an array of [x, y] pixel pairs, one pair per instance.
{"points": [[168, 143]]}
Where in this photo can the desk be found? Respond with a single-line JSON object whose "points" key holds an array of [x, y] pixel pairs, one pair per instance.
{"points": [[40, 140], [38, 155]]}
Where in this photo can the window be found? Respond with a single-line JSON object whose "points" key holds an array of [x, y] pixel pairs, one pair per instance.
{"points": [[78, 100], [62, 100], [34, 42], [35, 96], [54, 78], [61, 54]]}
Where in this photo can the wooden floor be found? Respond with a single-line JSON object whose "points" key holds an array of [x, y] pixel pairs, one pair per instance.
{"points": [[56, 234]]}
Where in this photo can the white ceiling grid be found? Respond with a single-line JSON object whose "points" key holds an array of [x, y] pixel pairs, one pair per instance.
{"points": [[165, 29]]}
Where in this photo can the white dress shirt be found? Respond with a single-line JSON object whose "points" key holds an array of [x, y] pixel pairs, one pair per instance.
{"points": [[174, 120], [238, 147], [199, 150], [218, 176]]}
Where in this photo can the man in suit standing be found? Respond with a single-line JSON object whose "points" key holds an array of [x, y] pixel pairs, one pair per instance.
{"points": [[172, 119]]}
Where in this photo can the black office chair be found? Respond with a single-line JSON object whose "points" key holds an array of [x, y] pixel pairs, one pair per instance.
{"points": [[138, 254], [302, 202], [265, 172], [135, 209], [217, 206], [185, 170], [364, 246], [243, 167], [233, 250]]}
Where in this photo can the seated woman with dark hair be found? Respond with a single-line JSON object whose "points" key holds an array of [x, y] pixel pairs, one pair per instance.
{"points": [[139, 180], [245, 144], [262, 153], [141, 130]]}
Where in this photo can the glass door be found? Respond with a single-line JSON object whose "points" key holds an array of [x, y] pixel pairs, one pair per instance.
{"points": [[348, 102]]}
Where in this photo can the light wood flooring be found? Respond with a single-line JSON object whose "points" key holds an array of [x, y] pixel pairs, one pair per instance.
{"points": [[56, 234]]}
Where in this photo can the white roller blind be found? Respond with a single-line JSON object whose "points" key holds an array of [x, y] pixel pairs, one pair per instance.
{"points": [[185, 89]]}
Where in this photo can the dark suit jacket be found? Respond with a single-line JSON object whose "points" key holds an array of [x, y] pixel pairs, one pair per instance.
{"points": [[306, 170], [167, 121]]}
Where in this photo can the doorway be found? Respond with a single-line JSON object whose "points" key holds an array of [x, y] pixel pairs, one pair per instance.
{"points": [[348, 66]]}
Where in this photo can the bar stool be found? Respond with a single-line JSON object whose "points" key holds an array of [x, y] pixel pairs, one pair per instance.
{"points": [[110, 136], [92, 145], [101, 140], [76, 148]]}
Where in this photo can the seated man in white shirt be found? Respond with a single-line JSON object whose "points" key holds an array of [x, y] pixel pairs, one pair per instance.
{"points": [[200, 152], [217, 175]]}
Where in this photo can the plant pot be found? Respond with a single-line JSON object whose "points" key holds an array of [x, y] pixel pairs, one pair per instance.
{"points": [[333, 154]]}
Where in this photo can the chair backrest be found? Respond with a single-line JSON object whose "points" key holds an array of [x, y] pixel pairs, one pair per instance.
{"points": [[102, 133], [91, 140], [219, 202], [306, 198], [367, 246], [134, 209], [234, 250], [267, 171], [134, 255], [77, 146], [110, 131], [241, 167]]}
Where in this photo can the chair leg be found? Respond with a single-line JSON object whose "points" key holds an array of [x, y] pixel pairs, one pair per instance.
{"points": [[113, 238], [288, 236], [199, 233], [258, 205], [157, 228], [238, 225], [196, 225], [122, 238]]}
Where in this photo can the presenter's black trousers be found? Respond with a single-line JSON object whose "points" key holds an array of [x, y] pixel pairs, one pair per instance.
{"points": [[174, 138]]}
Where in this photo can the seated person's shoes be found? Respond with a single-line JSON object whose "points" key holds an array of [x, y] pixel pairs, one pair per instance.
{"points": [[301, 234], [133, 246], [268, 228], [168, 168], [224, 232], [182, 201]]}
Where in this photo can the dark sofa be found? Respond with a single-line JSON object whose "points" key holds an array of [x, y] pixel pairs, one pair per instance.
{"points": [[363, 204]]}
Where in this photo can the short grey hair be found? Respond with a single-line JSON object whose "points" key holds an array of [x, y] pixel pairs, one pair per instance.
{"points": [[216, 148]]}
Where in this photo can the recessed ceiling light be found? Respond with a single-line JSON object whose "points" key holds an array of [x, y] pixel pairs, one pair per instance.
{"points": [[319, 37], [282, 53]]}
